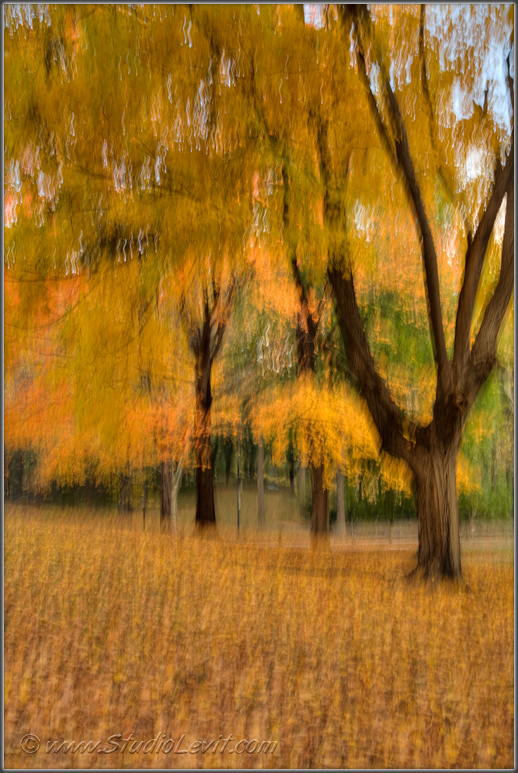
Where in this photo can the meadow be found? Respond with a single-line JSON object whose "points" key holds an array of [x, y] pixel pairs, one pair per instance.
{"points": [[112, 631]]}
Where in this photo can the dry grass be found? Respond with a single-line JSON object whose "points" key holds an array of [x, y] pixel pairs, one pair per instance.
{"points": [[334, 655]]}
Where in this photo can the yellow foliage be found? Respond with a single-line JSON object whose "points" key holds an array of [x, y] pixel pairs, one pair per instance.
{"points": [[330, 425]]}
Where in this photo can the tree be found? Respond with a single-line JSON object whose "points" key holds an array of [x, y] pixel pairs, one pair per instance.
{"points": [[432, 450], [206, 334], [129, 158]]}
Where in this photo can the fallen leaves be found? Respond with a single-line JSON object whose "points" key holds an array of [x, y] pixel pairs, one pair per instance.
{"points": [[335, 655]]}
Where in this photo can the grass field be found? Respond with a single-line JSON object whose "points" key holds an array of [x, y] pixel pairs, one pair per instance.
{"points": [[115, 632]]}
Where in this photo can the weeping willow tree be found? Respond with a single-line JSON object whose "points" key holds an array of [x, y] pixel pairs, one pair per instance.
{"points": [[124, 148]]}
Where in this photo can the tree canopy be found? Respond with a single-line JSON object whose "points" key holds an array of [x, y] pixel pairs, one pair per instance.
{"points": [[183, 181]]}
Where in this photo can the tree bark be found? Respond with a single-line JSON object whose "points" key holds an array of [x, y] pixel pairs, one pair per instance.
{"points": [[260, 486], [435, 473]]}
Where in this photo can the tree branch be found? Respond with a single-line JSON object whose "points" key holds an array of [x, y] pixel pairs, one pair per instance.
{"points": [[224, 314], [191, 326], [402, 159], [388, 418], [483, 353], [475, 257], [304, 303]]}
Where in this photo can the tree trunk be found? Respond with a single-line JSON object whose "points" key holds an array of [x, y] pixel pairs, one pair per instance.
{"points": [[7, 479], [302, 485], [125, 494], [251, 460], [144, 503], [205, 512], [166, 470], [320, 511], [260, 486], [227, 449], [340, 503], [437, 511], [292, 476], [175, 488]]}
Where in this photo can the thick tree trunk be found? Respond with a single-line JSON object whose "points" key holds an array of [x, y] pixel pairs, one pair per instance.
{"points": [[340, 503], [166, 470], [437, 511], [320, 510], [260, 486], [205, 512]]}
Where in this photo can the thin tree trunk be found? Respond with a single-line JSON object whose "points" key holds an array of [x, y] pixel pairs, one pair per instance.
{"points": [[227, 449], [144, 504], [205, 511], [7, 479], [320, 511], [292, 476], [175, 488], [438, 514], [340, 503], [302, 485], [166, 469], [125, 494], [260, 486]]}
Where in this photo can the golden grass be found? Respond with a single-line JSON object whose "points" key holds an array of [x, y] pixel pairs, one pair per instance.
{"points": [[334, 655]]}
